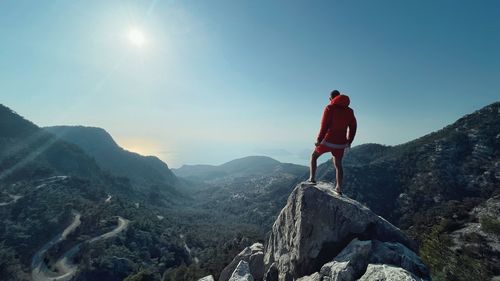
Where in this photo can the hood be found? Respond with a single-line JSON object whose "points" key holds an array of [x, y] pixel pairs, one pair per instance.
{"points": [[341, 100]]}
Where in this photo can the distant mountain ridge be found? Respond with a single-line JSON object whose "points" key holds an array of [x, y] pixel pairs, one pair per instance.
{"points": [[252, 189], [242, 167], [142, 170], [28, 151]]}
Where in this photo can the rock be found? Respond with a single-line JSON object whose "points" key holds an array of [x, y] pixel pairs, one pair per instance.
{"points": [[242, 272], [400, 256], [474, 238], [254, 256], [350, 263], [314, 277], [207, 278], [272, 272], [354, 259], [315, 225], [382, 272]]}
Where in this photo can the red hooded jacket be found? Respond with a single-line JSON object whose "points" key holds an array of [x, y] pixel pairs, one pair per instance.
{"points": [[337, 118]]}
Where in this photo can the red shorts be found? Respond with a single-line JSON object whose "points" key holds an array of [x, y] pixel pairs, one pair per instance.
{"points": [[320, 149]]}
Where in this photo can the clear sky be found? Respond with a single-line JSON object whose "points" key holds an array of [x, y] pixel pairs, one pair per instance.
{"points": [[204, 82]]}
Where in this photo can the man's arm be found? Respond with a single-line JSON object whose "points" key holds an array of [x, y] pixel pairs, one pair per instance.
{"points": [[353, 125], [325, 123]]}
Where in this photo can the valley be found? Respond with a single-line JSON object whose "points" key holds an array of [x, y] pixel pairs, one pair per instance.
{"points": [[69, 214]]}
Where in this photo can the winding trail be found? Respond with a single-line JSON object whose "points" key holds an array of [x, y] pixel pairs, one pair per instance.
{"points": [[44, 182], [65, 269], [122, 224], [39, 268], [50, 180]]}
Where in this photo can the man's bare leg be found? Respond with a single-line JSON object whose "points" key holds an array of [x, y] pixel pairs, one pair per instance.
{"points": [[313, 166], [337, 163]]}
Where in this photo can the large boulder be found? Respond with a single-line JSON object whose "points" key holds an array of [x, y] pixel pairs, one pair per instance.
{"points": [[315, 226], [349, 264], [381, 272], [254, 256], [355, 259], [393, 253]]}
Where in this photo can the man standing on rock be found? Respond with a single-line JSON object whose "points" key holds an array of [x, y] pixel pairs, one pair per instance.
{"points": [[338, 128]]}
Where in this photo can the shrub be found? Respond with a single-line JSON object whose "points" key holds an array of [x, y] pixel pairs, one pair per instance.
{"points": [[490, 225], [447, 265]]}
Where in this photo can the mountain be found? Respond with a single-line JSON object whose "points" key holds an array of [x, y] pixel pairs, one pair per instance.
{"points": [[429, 186], [365, 153], [199, 172], [442, 190], [26, 151], [251, 189], [319, 235], [96, 142], [238, 168], [62, 214], [433, 188]]}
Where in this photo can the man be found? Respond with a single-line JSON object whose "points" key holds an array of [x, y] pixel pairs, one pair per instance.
{"points": [[338, 128]]}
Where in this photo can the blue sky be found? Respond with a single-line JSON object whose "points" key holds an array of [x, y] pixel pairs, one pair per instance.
{"points": [[218, 80]]}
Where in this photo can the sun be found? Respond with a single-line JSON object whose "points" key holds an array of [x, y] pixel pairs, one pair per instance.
{"points": [[136, 37]]}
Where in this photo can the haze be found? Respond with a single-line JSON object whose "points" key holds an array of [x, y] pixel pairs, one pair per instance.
{"points": [[205, 82]]}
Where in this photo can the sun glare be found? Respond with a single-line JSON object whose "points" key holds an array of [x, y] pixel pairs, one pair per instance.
{"points": [[136, 37]]}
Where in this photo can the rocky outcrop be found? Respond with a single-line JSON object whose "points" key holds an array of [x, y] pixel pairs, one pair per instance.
{"points": [[488, 210], [315, 225], [349, 264], [480, 236], [382, 272], [242, 272], [320, 236], [254, 256], [355, 260]]}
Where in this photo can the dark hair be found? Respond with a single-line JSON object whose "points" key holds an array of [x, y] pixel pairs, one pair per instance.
{"points": [[334, 93]]}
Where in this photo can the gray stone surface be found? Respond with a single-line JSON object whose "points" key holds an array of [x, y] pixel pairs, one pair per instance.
{"points": [[400, 256], [350, 263], [254, 256], [242, 272], [490, 208], [315, 225], [381, 272], [313, 277]]}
